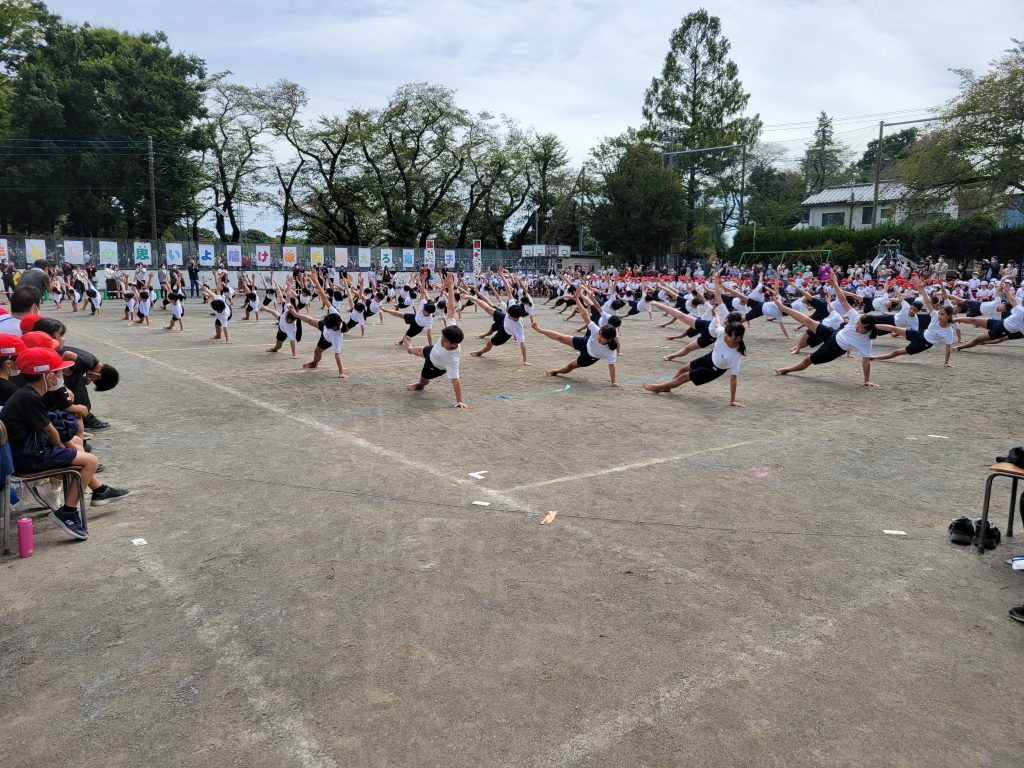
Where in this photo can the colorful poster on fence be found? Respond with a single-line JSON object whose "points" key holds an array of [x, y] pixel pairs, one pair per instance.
{"points": [[4, 252], [316, 255], [477, 256], [174, 253], [35, 249], [108, 252], [290, 255], [143, 253], [449, 259], [428, 255], [341, 256], [74, 252], [408, 258], [385, 258], [234, 252], [206, 254], [262, 256]]}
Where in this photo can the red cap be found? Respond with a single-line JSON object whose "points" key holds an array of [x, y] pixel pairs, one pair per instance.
{"points": [[11, 345], [34, 339], [40, 360], [28, 322], [4, 311]]}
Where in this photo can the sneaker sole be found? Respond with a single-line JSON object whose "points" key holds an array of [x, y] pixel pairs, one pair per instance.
{"points": [[100, 502], [1017, 617], [60, 524]]}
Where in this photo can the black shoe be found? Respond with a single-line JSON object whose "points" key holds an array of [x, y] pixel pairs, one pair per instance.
{"points": [[94, 423], [1017, 614], [99, 498], [69, 523], [100, 468]]}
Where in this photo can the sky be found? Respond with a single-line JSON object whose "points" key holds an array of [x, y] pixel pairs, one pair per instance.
{"points": [[579, 68]]}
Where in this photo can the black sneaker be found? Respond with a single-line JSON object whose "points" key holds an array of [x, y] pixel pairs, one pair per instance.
{"points": [[99, 498], [94, 423], [1017, 614], [69, 523]]}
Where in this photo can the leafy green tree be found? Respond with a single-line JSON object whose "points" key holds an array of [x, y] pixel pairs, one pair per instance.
{"points": [[641, 213], [896, 147], [84, 103], [825, 159], [698, 101], [774, 196], [977, 153]]}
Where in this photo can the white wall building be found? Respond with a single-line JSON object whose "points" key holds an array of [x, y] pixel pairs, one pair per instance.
{"points": [[850, 205]]}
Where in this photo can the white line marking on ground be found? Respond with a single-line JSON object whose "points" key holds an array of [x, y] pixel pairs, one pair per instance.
{"points": [[651, 561], [275, 710], [635, 465]]}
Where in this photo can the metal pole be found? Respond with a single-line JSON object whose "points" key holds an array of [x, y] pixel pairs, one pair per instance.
{"points": [[878, 174], [743, 179], [583, 170], [152, 190]]}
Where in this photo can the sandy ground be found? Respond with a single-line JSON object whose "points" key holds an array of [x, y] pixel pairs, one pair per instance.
{"points": [[317, 587]]}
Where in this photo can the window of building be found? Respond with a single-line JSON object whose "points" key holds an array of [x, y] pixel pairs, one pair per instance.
{"points": [[865, 215], [833, 219], [885, 214]]}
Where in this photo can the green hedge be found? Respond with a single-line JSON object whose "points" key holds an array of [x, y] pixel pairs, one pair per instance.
{"points": [[961, 241]]}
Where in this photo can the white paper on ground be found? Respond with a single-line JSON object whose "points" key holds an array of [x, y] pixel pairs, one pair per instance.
{"points": [[895, 533], [138, 542], [482, 503]]}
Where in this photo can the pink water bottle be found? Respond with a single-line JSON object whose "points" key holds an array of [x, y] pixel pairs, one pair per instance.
{"points": [[26, 543]]}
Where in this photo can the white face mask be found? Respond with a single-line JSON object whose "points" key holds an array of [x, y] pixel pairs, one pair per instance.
{"points": [[57, 384]]}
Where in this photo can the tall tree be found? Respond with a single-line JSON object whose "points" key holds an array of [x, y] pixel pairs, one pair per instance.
{"points": [[640, 213], [414, 150], [896, 147], [824, 159], [977, 153], [85, 101], [697, 102], [235, 159]]}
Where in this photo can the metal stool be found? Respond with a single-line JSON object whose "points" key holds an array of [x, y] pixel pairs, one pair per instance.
{"points": [[1015, 473]]}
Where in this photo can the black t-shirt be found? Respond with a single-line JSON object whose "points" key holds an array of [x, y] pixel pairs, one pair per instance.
{"points": [[193, 272], [86, 362], [24, 413], [7, 388]]}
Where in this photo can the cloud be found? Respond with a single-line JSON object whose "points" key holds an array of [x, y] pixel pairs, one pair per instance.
{"points": [[578, 68]]}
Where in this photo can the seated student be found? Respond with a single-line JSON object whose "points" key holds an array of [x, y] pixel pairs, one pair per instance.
{"points": [[35, 444], [65, 415], [24, 301], [10, 347], [87, 369]]}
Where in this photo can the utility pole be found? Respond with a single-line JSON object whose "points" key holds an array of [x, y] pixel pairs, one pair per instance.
{"points": [[152, 189], [583, 170], [743, 181], [878, 160]]}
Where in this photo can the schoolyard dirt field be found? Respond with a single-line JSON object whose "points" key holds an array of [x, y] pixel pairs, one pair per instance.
{"points": [[318, 588]]}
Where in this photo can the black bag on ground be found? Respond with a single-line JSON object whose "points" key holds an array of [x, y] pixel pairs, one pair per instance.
{"points": [[992, 535], [961, 530], [1015, 456]]}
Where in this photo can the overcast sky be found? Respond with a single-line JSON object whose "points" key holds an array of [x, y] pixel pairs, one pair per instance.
{"points": [[579, 68]]}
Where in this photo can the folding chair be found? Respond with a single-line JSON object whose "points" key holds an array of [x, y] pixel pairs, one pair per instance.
{"points": [[67, 475]]}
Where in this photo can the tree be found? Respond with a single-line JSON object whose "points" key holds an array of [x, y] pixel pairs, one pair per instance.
{"points": [[896, 147], [824, 159], [84, 102], [235, 158], [640, 215], [977, 153], [414, 153], [698, 101], [774, 196]]}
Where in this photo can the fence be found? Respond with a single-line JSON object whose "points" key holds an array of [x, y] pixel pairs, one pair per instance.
{"points": [[22, 250]]}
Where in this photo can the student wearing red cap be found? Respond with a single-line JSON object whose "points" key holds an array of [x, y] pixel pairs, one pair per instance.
{"points": [[35, 444], [10, 347]]}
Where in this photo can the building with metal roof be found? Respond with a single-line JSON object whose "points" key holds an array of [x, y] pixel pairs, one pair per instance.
{"points": [[850, 205]]}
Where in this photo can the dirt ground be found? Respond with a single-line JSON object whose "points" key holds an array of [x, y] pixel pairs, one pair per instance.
{"points": [[318, 588]]}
